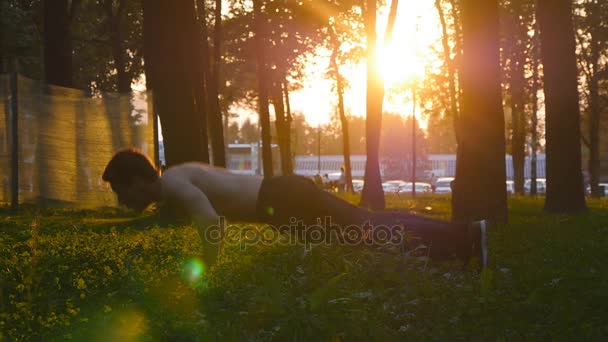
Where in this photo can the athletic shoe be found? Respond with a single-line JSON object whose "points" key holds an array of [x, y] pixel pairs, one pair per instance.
{"points": [[483, 229], [478, 235]]}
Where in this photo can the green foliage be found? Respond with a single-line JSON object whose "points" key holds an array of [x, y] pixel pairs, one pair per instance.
{"points": [[21, 35], [108, 275]]}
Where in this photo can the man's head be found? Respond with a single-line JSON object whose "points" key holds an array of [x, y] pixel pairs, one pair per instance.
{"points": [[131, 175]]}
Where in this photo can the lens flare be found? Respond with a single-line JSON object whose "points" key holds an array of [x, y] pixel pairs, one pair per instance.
{"points": [[193, 270]]}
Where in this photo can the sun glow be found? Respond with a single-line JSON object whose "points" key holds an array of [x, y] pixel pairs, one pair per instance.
{"points": [[402, 62], [399, 65]]}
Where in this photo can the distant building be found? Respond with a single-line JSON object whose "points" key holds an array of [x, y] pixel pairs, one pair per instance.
{"points": [[246, 159], [440, 165]]}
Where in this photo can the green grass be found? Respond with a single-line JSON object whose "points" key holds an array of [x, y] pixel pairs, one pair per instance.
{"points": [[107, 275]]}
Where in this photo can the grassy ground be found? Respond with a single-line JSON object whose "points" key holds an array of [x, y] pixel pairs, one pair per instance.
{"points": [[107, 275]]}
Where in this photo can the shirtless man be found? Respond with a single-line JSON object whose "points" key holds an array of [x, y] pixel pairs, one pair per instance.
{"points": [[206, 193]]}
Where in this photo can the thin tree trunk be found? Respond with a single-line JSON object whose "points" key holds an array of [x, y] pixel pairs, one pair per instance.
{"points": [[517, 36], [2, 43], [458, 55], [343, 120], [289, 119], [450, 68], [565, 193], [57, 17], [534, 119], [282, 126], [260, 39], [203, 70], [594, 103], [209, 92], [169, 30], [372, 196], [118, 51], [214, 115], [479, 190]]}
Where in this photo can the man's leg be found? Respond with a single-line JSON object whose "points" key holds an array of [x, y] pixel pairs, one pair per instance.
{"points": [[442, 239], [286, 198]]}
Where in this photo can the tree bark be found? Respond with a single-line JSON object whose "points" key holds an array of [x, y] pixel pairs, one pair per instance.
{"points": [[479, 191], [57, 17], [260, 39], [372, 196], [170, 55], [565, 193]]}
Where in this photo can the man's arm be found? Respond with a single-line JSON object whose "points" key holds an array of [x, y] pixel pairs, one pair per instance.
{"points": [[200, 210]]}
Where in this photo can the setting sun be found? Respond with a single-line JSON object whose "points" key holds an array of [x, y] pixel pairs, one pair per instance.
{"points": [[401, 62], [399, 65]]}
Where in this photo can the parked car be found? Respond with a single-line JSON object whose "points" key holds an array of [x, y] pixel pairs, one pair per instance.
{"points": [[421, 187], [510, 187], [393, 186], [442, 185], [541, 185], [358, 185], [603, 186]]}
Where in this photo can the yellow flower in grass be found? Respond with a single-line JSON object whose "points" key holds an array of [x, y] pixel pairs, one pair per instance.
{"points": [[81, 285]]}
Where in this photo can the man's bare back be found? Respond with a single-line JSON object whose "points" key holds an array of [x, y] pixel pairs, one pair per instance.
{"points": [[230, 195]]}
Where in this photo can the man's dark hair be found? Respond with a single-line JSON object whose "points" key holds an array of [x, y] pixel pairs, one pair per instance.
{"points": [[127, 164]]}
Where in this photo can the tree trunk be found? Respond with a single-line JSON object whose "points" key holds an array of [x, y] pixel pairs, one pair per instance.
{"points": [[57, 17], [2, 43], [534, 120], [372, 196], [124, 78], [458, 54], [565, 192], [517, 37], [343, 120], [289, 119], [169, 30], [260, 39], [479, 191], [594, 101], [202, 71], [450, 68], [283, 127], [215, 120]]}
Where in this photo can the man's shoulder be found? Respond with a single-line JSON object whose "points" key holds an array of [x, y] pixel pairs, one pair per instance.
{"points": [[185, 170], [180, 175]]}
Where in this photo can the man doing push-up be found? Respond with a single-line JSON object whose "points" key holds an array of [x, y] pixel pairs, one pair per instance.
{"points": [[207, 194]]}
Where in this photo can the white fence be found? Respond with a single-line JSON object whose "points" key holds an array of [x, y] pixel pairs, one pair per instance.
{"points": [[56, 141]]}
